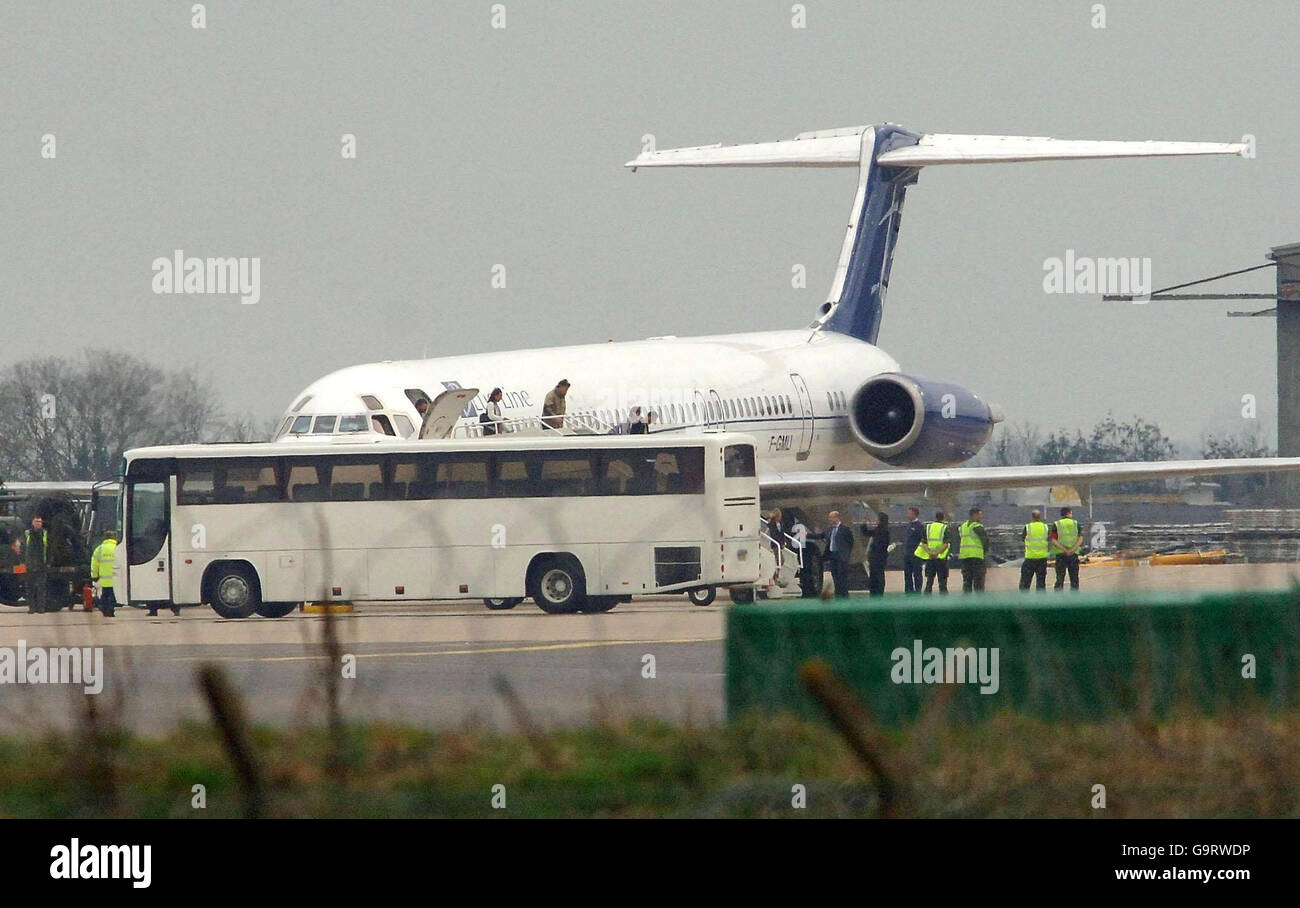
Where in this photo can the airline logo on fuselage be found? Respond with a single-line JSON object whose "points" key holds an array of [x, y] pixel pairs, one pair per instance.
{"points": [[510, 400]]}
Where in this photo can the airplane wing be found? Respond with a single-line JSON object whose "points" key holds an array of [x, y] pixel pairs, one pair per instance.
{"points": [[935, 483]]}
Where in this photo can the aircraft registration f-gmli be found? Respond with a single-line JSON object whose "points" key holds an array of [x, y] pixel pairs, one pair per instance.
{"points": [[833, 414]]}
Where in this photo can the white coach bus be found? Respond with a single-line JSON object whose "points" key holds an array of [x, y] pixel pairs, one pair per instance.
{"points": [[577, 523]]}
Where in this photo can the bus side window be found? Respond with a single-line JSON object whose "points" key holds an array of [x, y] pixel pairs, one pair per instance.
{"points": [[303, 484], [350, 479], [738, 460], [196, 483], [616, 473], [461, 476], [563, 474]]}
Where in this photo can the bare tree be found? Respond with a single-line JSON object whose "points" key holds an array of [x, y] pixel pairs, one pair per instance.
{"points": [[72, 418], [1012, 445]]}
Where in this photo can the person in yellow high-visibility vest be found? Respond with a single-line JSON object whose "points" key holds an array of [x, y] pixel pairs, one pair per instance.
{"points": [[1065, 542], [933, 553], [1034, 567], [972, 551], [101, 572]]}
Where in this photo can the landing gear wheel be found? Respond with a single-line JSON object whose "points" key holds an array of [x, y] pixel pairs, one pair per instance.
{"points": [[499, 605], [276, 609], [235, 593], [702, 597], [558, 586], [600, 603], [741, 594]]}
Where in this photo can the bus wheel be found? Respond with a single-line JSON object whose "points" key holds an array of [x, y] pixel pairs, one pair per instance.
{"points": [[741, 593], [558, 586], [234, 591], [501, 604], [702, 597], [600, 603], [276, 609]]}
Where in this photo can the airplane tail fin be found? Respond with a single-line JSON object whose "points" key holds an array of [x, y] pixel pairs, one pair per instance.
{"points": [[889, 158]]}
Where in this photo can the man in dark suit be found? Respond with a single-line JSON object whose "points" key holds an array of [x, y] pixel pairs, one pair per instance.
{"points": [[839, 548], [913, 566]]}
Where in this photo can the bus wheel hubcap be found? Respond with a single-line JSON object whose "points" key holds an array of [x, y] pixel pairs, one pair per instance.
{"points": [[233, 591], [556, 586]]}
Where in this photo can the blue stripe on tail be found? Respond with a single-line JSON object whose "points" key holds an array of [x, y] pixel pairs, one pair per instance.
{"points": [[862, 297]]}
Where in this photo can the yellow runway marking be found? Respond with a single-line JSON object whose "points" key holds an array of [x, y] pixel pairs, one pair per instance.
{"points": [[582, 644]]}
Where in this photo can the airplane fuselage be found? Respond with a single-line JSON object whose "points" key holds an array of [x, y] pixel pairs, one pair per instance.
{"points": [[789, 389]]}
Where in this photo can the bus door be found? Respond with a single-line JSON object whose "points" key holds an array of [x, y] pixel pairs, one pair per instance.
{"points": [[805, 416], [147, 516]]}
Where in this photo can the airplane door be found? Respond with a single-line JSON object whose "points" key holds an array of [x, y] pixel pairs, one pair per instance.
{"points": [[444, 411], [715, 401], [805, 416]]}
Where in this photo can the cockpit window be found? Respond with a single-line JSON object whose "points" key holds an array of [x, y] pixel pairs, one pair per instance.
{"points": [[371, 402], [301, 425], [302, 403], [324, 425], [404, 425], [357, 423], [380, 424]]}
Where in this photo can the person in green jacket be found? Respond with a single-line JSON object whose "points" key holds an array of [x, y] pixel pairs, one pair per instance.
{"points": [[101, 571]]}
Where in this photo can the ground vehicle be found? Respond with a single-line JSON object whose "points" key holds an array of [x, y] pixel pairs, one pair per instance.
{"points": [[576, 523], [76, 515]]}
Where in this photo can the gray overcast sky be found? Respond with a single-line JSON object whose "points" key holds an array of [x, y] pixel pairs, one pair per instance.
{"points": [[479, 146]]}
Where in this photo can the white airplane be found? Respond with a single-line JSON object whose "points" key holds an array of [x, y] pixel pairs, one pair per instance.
{"points": [[834, 415]]}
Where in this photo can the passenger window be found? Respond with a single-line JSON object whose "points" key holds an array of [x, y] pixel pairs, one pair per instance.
{"points": [[304, 484], [461, 476], [195, 485], [661, 471], [324, 425], [407, 482], [544, 474], [738, 460], [301, 425], [615, 474], [227, 482], [352, 480]]}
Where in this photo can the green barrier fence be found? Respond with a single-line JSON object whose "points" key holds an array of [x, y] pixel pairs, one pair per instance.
{"points": [[1055, 656]]}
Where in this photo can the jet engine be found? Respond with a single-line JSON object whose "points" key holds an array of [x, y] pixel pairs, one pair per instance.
{"points": [[914, 422]]}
